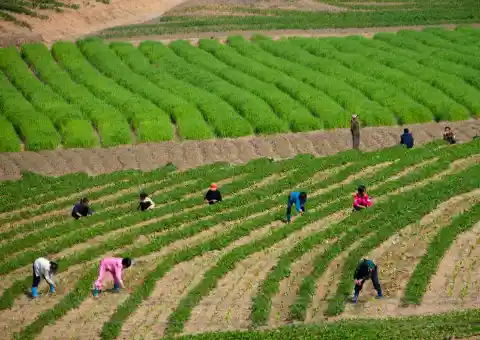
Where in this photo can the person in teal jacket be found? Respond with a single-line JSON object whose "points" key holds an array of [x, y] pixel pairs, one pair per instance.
{"points": [[299, 199]]}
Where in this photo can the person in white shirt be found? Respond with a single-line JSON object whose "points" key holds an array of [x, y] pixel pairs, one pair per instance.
{"points": [[46, 269], [145, 202]]}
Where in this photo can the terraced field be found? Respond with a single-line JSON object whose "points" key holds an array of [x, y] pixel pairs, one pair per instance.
{"points": [[236, 265], [89, 94]]}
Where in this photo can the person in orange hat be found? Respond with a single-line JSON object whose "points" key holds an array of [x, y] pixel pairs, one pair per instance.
{"points": [[213, 195]]}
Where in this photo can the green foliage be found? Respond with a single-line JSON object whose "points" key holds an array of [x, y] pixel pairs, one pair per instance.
{"points": [[76, 130], [219, 114], [255, 110], [110, 123], [9, 141], [295, 114]]}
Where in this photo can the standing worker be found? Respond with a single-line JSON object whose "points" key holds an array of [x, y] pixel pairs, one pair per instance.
{"points": [[115, 267], [213, 195], [299, 199], [46, 269], [407, 139], [366, 269], [355, 130]]}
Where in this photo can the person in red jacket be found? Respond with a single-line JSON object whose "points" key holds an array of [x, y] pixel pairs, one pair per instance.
{"points": [[361, 200]]}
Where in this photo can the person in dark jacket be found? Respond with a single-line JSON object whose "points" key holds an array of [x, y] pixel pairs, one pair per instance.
{"points": [[81, 209], [366, 269], [448, 135], [213, 195], [299, 199], [407, 139], [145, 203], [355, 130]]}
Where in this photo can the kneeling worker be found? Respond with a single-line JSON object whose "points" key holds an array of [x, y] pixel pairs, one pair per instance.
{"points": [[213, 195], [366, 269], [81, 209], [145, 203]]}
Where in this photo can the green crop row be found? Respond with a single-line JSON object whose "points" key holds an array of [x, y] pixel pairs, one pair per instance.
{"points": [[255, 110], [318, 102], [110, 123], [349, 97], [359, 56], [9, 141], [225, 121], [437, 248], [187, 117], [35, 129], [76, 129], [383, 93], [424, 55], [455, 37], [295, 114], [406, 209]]}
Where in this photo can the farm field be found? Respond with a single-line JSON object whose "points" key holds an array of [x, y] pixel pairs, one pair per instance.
{"points": [[90, 94], [236, 265]]}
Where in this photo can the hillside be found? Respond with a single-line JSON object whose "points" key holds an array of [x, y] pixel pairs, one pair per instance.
{"points": [[236, 265]]}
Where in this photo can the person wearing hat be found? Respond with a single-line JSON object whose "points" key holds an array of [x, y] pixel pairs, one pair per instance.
{"points": [[366, 269], [406, 139], [355, 130], [213, 195], [361, 199]]}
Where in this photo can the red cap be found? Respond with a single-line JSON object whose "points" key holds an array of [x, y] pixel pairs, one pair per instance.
{"points": [[213, 186]]}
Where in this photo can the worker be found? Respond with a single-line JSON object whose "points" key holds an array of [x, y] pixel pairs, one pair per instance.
{"points": [[145, 203], [361, 199], [299, 199], [355, 130], [46, 269], [81, 209], [407, 139], [366, 269], [213, 195], [115, 267], [448, 135]]}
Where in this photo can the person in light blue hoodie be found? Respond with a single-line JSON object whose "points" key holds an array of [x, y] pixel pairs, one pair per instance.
{"points": [[299, 199]]}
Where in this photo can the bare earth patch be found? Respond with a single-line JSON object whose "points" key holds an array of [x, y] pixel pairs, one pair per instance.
{"points": [[318, 143]]}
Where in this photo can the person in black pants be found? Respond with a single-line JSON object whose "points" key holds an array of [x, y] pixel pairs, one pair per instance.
{"points": [[213, 195], [81, 209], [366, 269], [145, 203]]}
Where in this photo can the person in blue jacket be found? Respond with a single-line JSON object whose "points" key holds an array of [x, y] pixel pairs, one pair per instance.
{"points": [[81, 209], [407, 139], [299, 199]]}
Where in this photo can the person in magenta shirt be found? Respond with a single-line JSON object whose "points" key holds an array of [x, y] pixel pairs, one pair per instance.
{"points": [[115, 267], [361, 200]]}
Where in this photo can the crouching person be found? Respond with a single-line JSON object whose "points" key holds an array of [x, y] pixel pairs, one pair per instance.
{"points": [[46, 269], [81, 209], [115, 267], [213, 195], [145, 203], [366, 269], [361, 200]]}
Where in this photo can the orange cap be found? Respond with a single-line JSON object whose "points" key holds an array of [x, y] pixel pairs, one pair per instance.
{"points": [[213, 186]]}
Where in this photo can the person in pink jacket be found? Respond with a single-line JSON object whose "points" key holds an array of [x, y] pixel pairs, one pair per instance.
{"points": [[361, 200], [115, 267]]}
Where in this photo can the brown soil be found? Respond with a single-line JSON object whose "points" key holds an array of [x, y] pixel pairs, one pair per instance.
{"points": [[319, 143]]}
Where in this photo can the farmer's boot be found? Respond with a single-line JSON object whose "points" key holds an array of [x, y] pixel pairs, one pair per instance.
{"points": [[52, 289], [34, 292], [116, 287], [95, 292], [380, 295], [355, 298]]}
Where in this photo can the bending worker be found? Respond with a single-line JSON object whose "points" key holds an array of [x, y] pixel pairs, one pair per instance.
{"points": [[366, 269], [299, 199]]}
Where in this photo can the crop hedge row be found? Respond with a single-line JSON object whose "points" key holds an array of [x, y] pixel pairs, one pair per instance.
{"points": [[405, 109], [74, 127], [9, 141], [444, 107], [317, 102], [255, 110], [35, 129], [186, 116], [110, 123], [455, 37], [296, 115], [422, 54]]}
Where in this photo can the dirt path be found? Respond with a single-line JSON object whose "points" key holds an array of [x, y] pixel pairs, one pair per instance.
{"points": [[241, 150]]}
